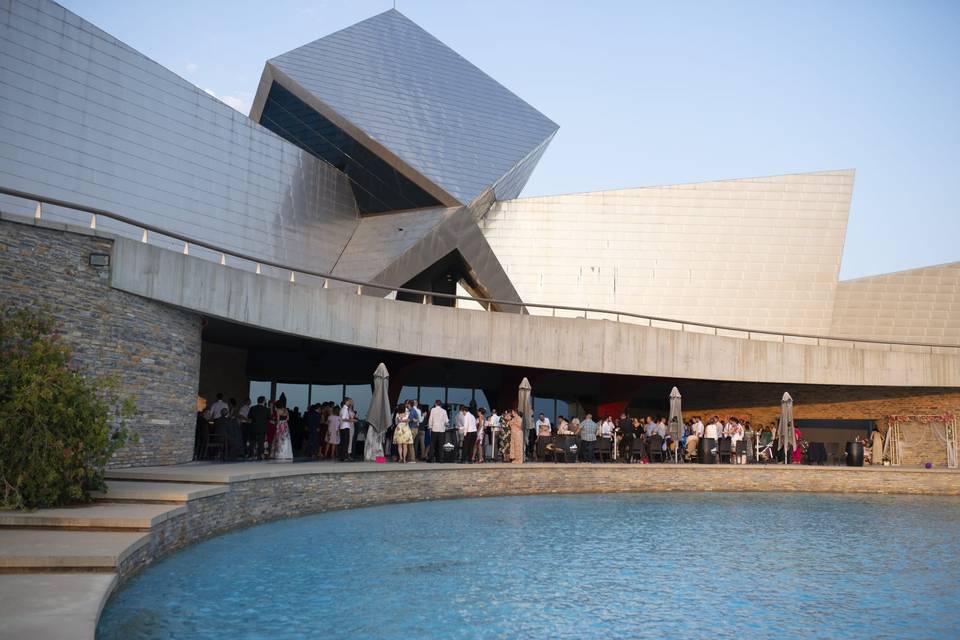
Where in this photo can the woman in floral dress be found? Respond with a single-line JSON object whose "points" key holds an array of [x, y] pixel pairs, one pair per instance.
{"points": [[282, 446], [402, 436]]}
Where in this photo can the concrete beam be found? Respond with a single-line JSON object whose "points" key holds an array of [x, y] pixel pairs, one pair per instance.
{"points": [[569, 344]]}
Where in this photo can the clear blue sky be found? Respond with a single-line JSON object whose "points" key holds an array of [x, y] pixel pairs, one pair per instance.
{"points": [[650, 93]]}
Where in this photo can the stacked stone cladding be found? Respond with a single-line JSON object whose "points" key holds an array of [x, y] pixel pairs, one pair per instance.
{"points": [[153, 349]]}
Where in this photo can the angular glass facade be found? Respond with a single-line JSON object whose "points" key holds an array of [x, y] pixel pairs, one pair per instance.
{"points": [[377, 187], [431, 112]]}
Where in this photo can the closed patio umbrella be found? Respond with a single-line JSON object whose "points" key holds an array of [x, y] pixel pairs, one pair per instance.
{"points": [[525, 406], [788, 439], [675, 424], [379, 415]]}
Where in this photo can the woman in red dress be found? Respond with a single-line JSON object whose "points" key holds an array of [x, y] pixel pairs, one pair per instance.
{"points": [[797, 449]]}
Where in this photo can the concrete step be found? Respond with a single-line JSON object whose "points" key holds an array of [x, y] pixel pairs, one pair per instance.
{"points": [[52, 606], [152, 492], [97, 516], [56, 550]]}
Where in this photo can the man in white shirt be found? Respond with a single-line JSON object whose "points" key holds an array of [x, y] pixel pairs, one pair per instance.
{"points": [[469, 435], [649, 427], [712, 430], [455, 429], [438, 422], [218, 406], [543, 433], [698, 427], [493, 422], [543, 425], [346, 429]]}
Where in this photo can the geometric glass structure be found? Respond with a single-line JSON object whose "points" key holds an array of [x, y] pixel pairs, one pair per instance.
{"points": [[410, 121]]}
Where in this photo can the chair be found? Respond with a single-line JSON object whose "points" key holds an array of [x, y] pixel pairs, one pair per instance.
{"points": [[655, 448], [639, 449], [541, 448], [690, 450], [216, 447], [554, 453], [672, 451], [724, 449], [604, 448]]}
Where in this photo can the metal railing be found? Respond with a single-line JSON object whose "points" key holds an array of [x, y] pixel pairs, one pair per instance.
{"points": [[492, 304]]}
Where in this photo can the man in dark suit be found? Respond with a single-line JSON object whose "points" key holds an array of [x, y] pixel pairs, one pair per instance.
{"points": [[625, 429], [259, 416], [227, 430], [313, 420]]}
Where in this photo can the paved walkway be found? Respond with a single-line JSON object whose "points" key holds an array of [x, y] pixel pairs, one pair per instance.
{"points": [[225, 473], [58, 566]]}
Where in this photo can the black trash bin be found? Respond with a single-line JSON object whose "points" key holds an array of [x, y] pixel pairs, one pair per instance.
{"points": [[707, 451], [854, 454]]}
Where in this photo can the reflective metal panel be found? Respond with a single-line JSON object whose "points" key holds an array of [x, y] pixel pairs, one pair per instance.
{"points": [[920, 305], [85, 118], [457, 231], [761, 253], [407, 91], [381, 239]]}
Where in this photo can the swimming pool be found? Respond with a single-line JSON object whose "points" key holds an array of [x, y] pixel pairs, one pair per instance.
{"points": [[568, 566]]}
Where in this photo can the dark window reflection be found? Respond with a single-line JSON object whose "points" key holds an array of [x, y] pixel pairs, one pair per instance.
{"points": [[376, 185]]}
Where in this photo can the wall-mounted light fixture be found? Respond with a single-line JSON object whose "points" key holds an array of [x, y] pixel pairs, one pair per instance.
{"points": [[100, 260]]}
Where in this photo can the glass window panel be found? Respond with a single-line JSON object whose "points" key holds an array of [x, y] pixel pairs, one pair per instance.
{"points": [[296, 394], [320, 393], [407, 393], [429, 395], [481, 399], [259, 388], [544, 406], [458, 397], [563, 409], [362, 394]]}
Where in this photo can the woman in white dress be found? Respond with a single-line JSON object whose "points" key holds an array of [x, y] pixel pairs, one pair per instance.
{"points": [[283, 449], [736, 442]]}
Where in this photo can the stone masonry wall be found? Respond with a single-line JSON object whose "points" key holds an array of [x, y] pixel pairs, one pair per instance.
{"points": [[154, 349], [761, 403], [854, 403]]}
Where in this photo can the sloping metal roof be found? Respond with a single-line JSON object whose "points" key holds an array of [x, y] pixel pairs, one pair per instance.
{"points": [[437, 118]]}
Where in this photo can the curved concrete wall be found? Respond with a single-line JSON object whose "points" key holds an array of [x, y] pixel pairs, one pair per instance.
{"points": [[571, 344]]}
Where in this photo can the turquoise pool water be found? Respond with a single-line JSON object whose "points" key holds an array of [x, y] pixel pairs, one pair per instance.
{"points": [[585, 566]]}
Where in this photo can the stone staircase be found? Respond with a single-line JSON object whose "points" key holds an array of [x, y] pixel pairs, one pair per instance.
{"points": [[59, 566]]}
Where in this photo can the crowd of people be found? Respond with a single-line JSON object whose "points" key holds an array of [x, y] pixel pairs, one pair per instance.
{"points": [[268, 430]]}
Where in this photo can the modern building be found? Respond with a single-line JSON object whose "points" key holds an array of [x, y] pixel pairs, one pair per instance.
{"points": [[194, 249]]}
